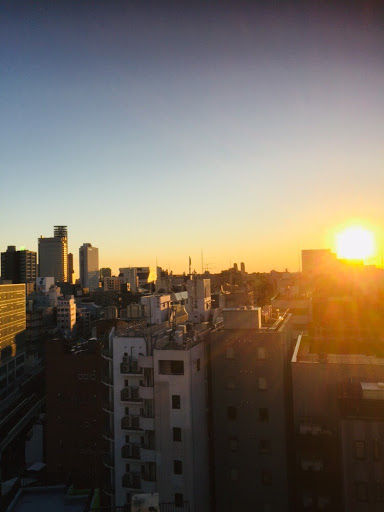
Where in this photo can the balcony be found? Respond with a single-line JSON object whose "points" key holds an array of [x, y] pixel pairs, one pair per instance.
{"points": [[146, 361], [109, 491], [106, 353], [146, 392], [147, 423], [130, 394], [108, 461], [107, 407], [148, 484], [131, 368], [107, 380], [148, 455], [131, 481], [108, 435], [130, 451], [130, 423]]}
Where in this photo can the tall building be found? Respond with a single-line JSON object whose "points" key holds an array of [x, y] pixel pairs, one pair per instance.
{"points": [[129, 275], [18, 266], [53, 255], [157, 426], [199, 299], [12, 345], [89, 266], [249, 401], [70, 269], [66, 313]]}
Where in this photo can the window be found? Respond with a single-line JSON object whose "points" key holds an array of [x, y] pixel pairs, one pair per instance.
{"points": [[176, 433], [198, 365], [171, 367], [361, 492], [127, 439], [262, 383], [261, 353], [178, 467], [127, 468], [264, 445], [360, 450], [179, 500], [263, 414], [175, 401], [231, 412], [376, 449], [126, 383], [266, 478], [233, 444], [230, 353], [126, 410]]}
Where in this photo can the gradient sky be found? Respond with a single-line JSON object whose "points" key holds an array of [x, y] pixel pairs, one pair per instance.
{"points": [[154, 132]]}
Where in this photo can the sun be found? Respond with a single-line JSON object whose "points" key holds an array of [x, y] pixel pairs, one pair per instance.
{"points": [[355, 243]]}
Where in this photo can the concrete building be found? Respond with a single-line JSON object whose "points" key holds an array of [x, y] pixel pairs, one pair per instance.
{"points": [[130, 277], [66, 314], [157, 307], [71, 272], [156, 404], [249, 402], [53, 255], [199, 299], [105, 272], [301, 308], [89, 266], [18, 266], [12, 343], [74, 443], [338, 421], [112, 284]]}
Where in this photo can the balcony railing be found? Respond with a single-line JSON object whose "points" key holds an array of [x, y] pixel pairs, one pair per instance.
{"points": [[108, 461], [106, 353], [130, 394], [131, 480], [108, 434], [130, 451], [131, 368], [130, 423], [107, 407], [107, 380]]}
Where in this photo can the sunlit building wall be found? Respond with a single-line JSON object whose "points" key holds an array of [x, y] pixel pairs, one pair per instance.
{"points": [[53, 256], [89, 266]]}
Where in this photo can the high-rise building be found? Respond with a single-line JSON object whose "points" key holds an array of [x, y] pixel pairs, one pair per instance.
{"points": [[157, 424], [53, 255], [199, 299], [89, 266], [66, 313], [70, 268], [249, 400], [12, 346], [18, 266]]}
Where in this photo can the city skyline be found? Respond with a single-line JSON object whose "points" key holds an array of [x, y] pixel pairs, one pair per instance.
{"points": [[248, 133]]}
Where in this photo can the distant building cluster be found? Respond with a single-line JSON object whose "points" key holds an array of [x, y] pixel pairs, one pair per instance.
{"points": [[193, 392]]}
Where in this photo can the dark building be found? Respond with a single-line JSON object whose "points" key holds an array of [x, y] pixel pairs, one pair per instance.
{"points": [[74, 414], [18, 266], [70, 268], [249, 399], [105, 272]]}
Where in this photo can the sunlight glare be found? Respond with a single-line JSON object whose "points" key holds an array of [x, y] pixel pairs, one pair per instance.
{"points": [[355, 243]]}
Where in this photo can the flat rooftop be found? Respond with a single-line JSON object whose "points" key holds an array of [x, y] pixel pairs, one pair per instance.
{"points": [[328, 350]]}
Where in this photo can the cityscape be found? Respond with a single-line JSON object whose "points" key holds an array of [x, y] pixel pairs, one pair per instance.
{"points": [[192, 256]]}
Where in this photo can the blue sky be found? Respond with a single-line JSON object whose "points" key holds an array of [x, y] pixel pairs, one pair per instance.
{"points": [[154, 132]]}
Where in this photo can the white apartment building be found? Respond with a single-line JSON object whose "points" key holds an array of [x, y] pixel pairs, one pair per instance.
{"points": [[66, 313], [199, 299], [157, 407], [158, 307]]}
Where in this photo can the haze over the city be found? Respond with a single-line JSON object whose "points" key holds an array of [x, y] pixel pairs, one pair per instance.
{"points": [[155, 132]]}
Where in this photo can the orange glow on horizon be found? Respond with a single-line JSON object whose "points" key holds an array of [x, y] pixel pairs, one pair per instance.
{"points": [[355, 243]]}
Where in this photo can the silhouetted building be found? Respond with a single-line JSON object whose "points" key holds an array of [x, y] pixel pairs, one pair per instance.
{"points": [[53, 255], [18, 266], [70, 269], [89, 266], [105, 272]]}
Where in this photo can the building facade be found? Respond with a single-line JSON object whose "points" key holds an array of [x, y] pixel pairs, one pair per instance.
{"points": [[66, 314], [53, 255], [89, 266], [18, 266]]}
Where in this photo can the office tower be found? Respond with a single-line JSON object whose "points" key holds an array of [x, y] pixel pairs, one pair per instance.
{"points": [[18, 266], [12, 345], [242, 267], [74, 415], [249, 399], [53, 255], [70, 268], [157, 425], [199, 299], [129, 275], [89, 266]]}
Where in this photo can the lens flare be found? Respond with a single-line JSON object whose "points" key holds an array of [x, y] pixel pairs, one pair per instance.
{"points": [[355, 243]]}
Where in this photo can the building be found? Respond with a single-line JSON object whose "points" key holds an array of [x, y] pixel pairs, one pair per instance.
{"points": [[338, 421], [129, 276], [156, 405], [112, 284], [105, 272], [89, 266], [157, 307], [66, 314], [249, 402], [53, 255], [317, 261], [74, 443], [12, 343], [199, 299], [18, 266], [70, 278]]}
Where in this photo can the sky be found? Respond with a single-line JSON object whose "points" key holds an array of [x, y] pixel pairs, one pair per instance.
{"points": [[156, 131]]}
